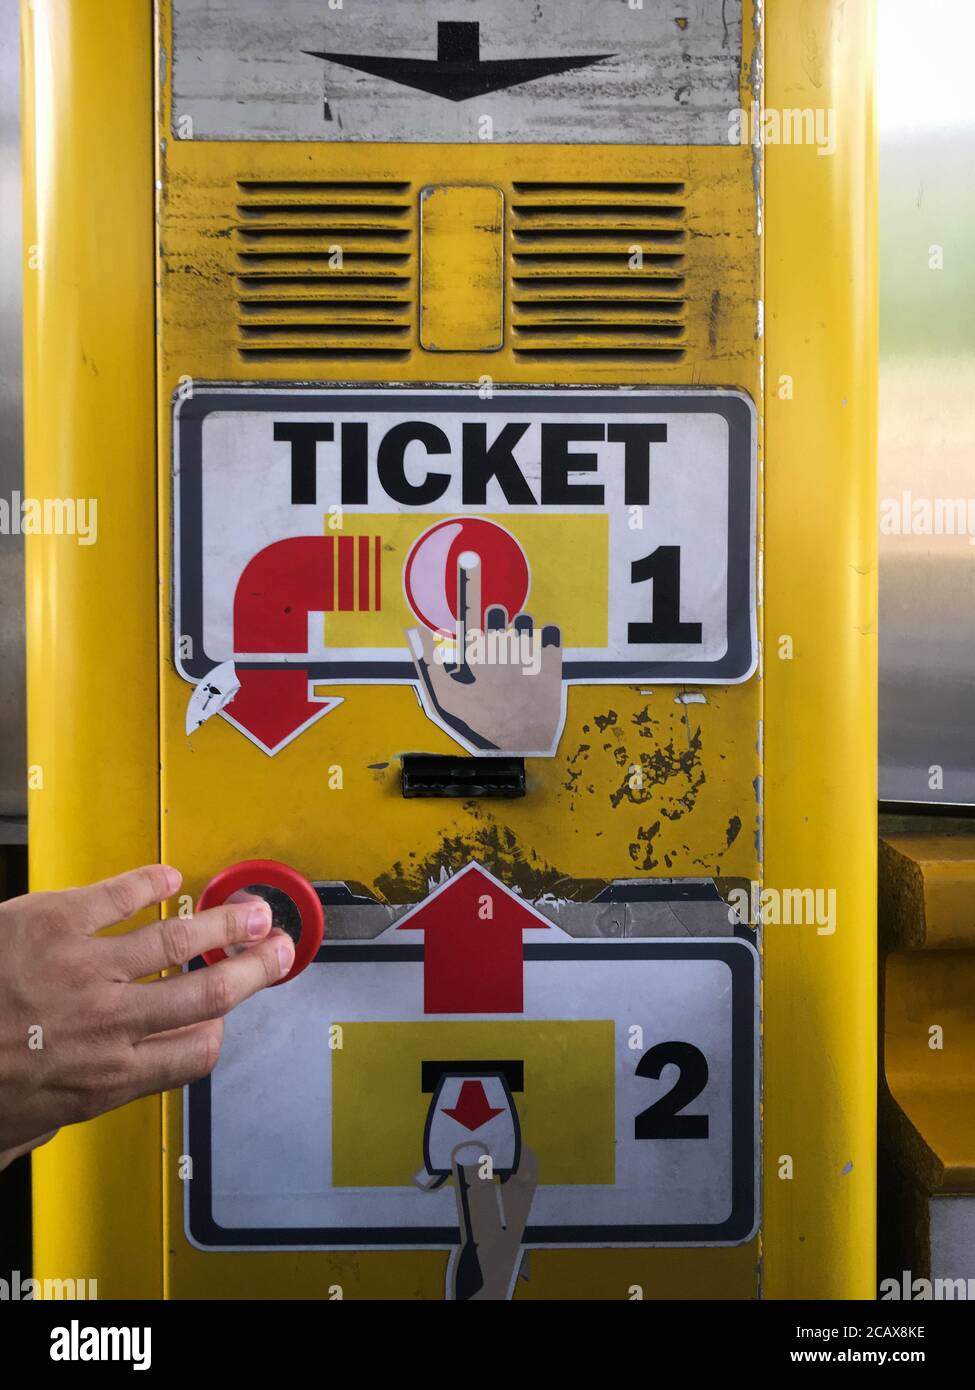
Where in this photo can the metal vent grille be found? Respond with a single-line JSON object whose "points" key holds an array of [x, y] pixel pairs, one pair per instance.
{"points": [[575, 292], [324, 269]]}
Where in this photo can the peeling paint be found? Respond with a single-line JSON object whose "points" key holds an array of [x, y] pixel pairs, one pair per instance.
{"points": [[759, 825], [715, 310], [643, 845], [756, 81], [592, 820], [502, 854]]}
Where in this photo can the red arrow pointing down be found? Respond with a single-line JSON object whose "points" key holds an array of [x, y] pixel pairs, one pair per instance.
{"points": [[472, 1109], [272, 706], [278, 589]]}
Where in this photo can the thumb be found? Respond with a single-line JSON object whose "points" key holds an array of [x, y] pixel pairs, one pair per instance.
{"points": [[434, 680], [421, 645]]}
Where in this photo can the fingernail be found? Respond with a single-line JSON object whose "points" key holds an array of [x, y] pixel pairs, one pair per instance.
{"points": [[286, 954], [173, 878], [258, 920]]}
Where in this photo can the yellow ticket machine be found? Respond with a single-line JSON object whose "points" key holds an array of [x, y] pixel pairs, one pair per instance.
{"points": [[478, 402]]}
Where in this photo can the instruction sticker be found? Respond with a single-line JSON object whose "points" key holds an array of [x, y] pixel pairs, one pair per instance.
{"points": [[487, 551], [620, 1075]]}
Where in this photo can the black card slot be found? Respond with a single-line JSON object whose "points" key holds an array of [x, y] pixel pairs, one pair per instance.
{"points": [[425, 774]]}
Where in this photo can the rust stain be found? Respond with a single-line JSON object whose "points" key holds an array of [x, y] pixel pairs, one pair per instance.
{"points": [[502, 854], [603, 721], [643, 845]]}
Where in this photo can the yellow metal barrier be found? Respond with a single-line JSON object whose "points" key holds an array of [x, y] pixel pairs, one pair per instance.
{"points": [[772, 777]]}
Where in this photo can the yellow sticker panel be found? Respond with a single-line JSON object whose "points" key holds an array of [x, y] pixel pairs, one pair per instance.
{"points": [[566, 1109], [576, 593]]}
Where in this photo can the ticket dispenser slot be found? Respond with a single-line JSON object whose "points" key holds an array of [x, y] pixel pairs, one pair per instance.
{"points": [[434, 775]]}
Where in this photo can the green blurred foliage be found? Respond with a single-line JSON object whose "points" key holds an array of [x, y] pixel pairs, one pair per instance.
{"points": [[927, 198]]}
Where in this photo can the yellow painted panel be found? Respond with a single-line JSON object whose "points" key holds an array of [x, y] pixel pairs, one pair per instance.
{"points": [[934, 1086], [218, 323], [92, 656], [819, 992], [698, 811], [928, 888], [461, 271], [97, 1210], [418, 1276], [566, 1110]]}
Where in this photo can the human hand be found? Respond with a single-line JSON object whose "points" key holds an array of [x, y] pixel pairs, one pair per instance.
{"points": [[497, 688], [492, 1219], [79, 1034]]}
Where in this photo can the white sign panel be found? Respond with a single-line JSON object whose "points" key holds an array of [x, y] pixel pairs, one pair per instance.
{"points": [[434, 538], [623, 1072]]}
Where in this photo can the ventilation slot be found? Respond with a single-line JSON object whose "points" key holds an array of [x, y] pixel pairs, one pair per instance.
{"points": [[574, 290], [324, 271]]}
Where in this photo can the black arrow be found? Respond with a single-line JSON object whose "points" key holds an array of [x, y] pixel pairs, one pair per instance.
{"points": [[458, 73]]}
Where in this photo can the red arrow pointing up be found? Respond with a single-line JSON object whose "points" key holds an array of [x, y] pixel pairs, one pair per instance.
{"points": [[472, 1109], [472, 947]]}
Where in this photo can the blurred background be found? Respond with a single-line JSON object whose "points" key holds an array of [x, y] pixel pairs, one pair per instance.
{"points": [[926, 112]]}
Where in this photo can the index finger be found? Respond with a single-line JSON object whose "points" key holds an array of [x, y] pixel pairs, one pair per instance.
{"points": [[177, 940], [176, 1001], [114, 900], [469, 591], [477, 1193]]}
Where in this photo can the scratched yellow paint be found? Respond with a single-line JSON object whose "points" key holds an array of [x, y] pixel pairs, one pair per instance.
{"points": [[461, 268], [694, 809], [200, 201], [566, 1110], [222, 800]]}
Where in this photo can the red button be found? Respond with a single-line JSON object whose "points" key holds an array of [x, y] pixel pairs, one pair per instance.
{"points": [[251, 872]]}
